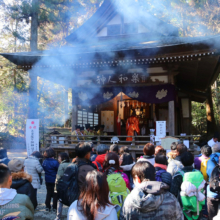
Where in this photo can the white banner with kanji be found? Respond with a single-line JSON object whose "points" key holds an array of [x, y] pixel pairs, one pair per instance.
{"points": [[107, 119], [32, 135]]}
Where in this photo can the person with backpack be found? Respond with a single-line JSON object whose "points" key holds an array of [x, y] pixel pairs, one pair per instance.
{"points": [[50, 166], [118, 182], [200, 163], [149, 199], [64, 160], [149, 151], [126, 162], [213, 195], [187, 186], [101, 150], [160, 167], [175, 165], [70, 184], [93, 203]]}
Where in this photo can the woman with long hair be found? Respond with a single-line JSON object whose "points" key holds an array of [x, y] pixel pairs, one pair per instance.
{"points": [[93, 201]]}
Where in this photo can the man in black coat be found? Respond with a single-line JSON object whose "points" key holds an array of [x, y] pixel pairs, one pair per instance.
{"points": [[21, 181]]}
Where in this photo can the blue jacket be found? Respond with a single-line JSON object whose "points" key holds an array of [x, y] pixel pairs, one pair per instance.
{"points": [[50, 166], [209, 169]]}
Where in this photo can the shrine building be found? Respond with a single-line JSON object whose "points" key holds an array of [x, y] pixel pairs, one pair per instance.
{"points": [[115, 63]]}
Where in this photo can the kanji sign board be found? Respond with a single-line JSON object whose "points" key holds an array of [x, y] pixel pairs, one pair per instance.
{"points": [[32, 135], [161, 128]]}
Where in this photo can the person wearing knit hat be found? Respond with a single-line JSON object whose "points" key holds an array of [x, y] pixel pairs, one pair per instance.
{"points": [[21, 181]]}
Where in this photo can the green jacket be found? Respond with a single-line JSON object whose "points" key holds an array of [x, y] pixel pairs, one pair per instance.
{"points": [[15, 205], [62, 167]]}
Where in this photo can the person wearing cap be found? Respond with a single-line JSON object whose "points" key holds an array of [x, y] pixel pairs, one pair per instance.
{"points": [[88, 132], [77, 133], [21, 181], [101, 132], [82, 130], [3, 156], [214, 140], [12, 204]]}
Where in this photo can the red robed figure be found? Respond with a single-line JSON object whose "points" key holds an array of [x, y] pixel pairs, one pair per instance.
{"points": [[131, 126]]}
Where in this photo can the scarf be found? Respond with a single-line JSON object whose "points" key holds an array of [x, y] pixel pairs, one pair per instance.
{"points": [[162, 166]]}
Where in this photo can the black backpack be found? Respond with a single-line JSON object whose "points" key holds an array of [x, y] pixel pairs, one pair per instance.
{"points": [[67, 186], [214, 182]]}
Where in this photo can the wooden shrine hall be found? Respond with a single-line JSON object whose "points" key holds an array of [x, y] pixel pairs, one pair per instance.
{"points": [[116, 62]]}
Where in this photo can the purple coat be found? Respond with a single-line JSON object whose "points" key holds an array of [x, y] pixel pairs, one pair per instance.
{"points": [[198, 160]]}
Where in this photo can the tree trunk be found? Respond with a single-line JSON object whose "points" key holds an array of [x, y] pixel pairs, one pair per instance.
{"points": [[33, 103], [211, 125], [34, 25]]}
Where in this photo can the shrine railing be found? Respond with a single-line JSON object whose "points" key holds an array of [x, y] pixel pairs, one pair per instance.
{"points": [[137, 141]]}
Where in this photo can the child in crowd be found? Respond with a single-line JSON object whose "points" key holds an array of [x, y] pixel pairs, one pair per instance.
{"points": [[160, 167], [93, 201], [172, 154], [64, 160], [149, 151], [50, 166]]}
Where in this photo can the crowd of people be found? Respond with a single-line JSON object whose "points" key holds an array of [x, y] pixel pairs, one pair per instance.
{"points": [[108, 183]]}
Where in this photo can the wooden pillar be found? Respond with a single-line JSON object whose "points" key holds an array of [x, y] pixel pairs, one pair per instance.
{"points": [[66, 107], [211, 125], [74, 111], [171, 109], [33, 102]]}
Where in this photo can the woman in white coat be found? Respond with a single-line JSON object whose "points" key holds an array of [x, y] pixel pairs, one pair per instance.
{"points": [[33, 167], [93, 203]]}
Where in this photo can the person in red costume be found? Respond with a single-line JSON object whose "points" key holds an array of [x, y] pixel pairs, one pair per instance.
{"points": [[132, 126]]}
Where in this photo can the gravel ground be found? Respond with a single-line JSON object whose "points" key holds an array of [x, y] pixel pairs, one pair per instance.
{"points": [[40, 213]]}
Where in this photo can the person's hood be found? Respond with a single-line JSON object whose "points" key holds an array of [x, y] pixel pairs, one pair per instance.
{"points": [[32, 157], [128, 167], [100, 158], [19, 179], [215, 157], [7, 195], [105, 213], [148, 195]]}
